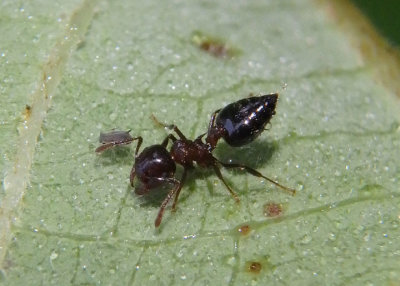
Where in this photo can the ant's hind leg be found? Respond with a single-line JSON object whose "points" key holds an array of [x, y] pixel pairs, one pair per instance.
{"points": [[178, 191], [214, 133], [219, 175], [257, 174], [212, 120]]}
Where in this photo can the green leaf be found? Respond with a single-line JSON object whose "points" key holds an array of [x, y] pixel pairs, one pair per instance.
{"points": [[69, 216], [385, 17]]}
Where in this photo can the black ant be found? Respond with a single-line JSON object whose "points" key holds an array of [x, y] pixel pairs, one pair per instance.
{"points": [[239, 123]]}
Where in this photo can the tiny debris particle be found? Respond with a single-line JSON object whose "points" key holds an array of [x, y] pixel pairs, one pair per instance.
{"points": [[255, 267], [53, 255], [212, 46], [28, 111], [218, 50], [272, 209], [244, 229]]}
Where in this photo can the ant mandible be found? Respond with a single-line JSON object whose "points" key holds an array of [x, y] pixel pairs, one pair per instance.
{"points": [[238, 123]]}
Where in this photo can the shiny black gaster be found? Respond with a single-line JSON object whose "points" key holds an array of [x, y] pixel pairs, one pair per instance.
{"points": [[240, 122]]}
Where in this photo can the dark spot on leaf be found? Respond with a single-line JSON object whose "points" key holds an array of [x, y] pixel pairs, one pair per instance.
{"points": [[272, 209], [254, 267], [244, 229], [28, 111], [213, 46], [218, 50], [81, 45]]}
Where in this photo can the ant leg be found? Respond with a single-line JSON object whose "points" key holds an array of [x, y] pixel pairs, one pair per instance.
{"points": [[198, 139], [171, 126], [269, 124], [171, 193], [169, 137], [183, 178], [140, 141], [257, 174], [219, 175], [214, 133], [109, 145], [212, 121], [106, 146]]}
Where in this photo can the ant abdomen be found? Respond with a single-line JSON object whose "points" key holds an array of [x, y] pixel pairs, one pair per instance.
{"points": [[240, 122]]}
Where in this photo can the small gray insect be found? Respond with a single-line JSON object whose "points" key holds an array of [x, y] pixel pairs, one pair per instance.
{"points": [[113, 138]]}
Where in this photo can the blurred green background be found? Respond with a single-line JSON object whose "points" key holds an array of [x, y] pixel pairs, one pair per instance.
{"points": [[385, 15]]}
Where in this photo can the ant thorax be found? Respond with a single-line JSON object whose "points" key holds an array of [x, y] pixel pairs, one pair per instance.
{"points": [[186, 152]]}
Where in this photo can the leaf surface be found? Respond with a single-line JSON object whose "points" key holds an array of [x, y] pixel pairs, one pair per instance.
{"points": [[69, 216]]}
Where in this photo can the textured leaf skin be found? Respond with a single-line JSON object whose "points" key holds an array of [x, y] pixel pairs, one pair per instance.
{"points": [[335, 138]]}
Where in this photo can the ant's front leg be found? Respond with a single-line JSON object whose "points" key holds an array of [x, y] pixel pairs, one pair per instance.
{"points": [[169, 126], [172, 193], [257, 174]]}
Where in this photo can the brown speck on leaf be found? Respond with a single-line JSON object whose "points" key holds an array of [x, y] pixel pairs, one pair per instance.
{"points": [[254, 267], [216, 49], [212, 46], [28, 111], [272, 209], [244, 229]]}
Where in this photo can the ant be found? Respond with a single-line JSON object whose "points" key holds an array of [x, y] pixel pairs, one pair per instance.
{"points": [[238, 123]]}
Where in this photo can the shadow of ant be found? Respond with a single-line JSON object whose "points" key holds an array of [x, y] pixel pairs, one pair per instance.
{"points": [[255, 155]]}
